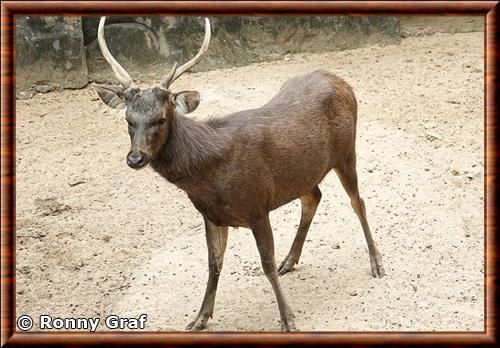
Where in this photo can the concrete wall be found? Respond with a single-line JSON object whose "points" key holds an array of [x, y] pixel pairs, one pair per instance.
{"points": [[62, 52]]}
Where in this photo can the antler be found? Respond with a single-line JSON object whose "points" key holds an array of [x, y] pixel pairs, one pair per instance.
{"points": [[120, 73], [175, 73]]}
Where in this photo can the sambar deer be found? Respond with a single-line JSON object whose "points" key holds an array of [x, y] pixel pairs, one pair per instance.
{"points": [[237, 168]]}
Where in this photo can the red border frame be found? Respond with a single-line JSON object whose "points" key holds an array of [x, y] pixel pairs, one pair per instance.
{"points": [[9, 9]]}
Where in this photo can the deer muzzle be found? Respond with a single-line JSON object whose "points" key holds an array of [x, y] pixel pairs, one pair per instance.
{"points": [[137, 159]]}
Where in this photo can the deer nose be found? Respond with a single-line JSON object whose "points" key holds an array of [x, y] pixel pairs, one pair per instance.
{"points": [[136, 159]]}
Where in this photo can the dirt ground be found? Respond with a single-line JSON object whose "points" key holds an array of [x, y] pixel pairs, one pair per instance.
{"points": [[95, 237]]}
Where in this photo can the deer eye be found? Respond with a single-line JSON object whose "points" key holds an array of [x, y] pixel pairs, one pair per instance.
{"points": [[161, 121]]}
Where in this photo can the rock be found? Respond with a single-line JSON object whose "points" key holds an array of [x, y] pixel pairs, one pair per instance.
{"points": [[371, 167], [353, 293], [77, 152], [236, 41], [455, 172], [50, 206], [62, 51], [75, 183], [431, 136], [194, 224], [472, 176], [24, 270], [50, 53], [23, 95], [45, 88]]}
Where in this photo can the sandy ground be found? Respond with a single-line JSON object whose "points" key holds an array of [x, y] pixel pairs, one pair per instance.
{"points": [[96, 238]]}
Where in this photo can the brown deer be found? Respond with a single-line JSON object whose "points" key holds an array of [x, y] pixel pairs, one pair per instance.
{"points": [[237, 168]]}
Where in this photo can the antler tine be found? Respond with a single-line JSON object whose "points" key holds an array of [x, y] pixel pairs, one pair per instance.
{"points": [[167, 80], [176, 73], [120, 73]]}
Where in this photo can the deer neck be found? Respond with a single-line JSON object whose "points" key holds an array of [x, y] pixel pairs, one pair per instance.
{"points": [[191, 145]]}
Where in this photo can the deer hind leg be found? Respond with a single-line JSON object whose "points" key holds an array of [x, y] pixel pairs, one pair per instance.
{"points": [[216, 243], [261, 229], [309, 203], [349, 179]]}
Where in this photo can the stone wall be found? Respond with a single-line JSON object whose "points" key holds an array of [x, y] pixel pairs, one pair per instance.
{"points": [[50, 53], [425, 25], [62, 52]]}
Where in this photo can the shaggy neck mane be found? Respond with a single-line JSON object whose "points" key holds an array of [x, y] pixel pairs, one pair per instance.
{"points": [[190, 145]]}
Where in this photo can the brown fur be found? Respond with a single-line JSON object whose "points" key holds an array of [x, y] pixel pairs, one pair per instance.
{"points": [[237, 168], [248, 163]]}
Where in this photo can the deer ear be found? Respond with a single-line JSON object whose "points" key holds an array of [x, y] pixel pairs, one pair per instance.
{"points": [[112, 96], [187, 101]]}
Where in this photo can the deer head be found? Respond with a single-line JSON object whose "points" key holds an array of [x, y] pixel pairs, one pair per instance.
{"points": [[149, 112]]}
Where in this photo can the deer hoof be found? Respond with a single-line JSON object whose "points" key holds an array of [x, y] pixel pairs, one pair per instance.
{"points": [[286, 266], [199, 323], [377, 268], [288, 325]]}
